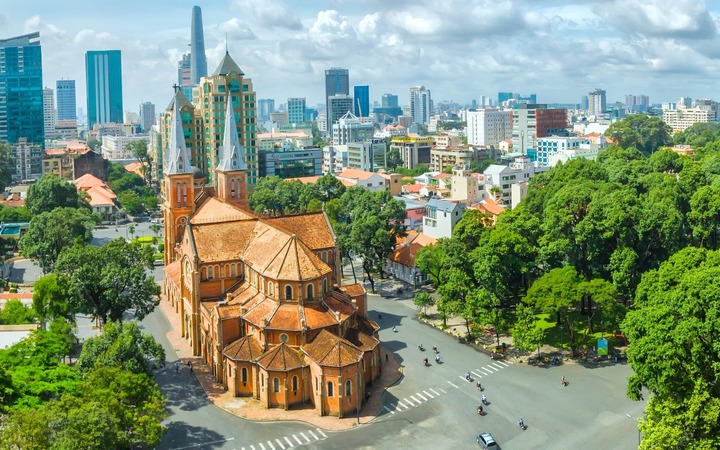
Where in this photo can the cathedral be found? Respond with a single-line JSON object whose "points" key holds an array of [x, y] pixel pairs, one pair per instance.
{"points": [[260, 298]]}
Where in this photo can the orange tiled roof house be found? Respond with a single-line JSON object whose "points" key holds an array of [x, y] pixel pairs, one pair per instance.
{"points": [[258, 297]]}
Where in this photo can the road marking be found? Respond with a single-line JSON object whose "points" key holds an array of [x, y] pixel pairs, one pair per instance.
{"points": [[461, 377], [428, 394], [280, 444], [321, 432], [306, 438], [493, 368], [252, 447], [206, 443], [389, 410], [408, 401], [400, 403], [289, 443], [421, 396], [452, 384], [271, 446], [413, 397], [435, 392], [314, 435], [261, 446], [503, 363], [477, 375], [498, 366], [489, 372], [298, 440]]}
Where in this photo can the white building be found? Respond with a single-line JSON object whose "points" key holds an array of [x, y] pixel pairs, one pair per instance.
{"points": [[596, 102], [368, 155], [441, 216], [335, 158], [683, 118], [503, 177], [548, 146], [350, 128], [276, 139], [464, 186], [49, 110], [488, 127], [367, 180], [114, 147], [420, 104]]}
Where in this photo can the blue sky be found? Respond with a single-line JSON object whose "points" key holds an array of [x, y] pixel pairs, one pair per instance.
{"points": [[459, 49]]}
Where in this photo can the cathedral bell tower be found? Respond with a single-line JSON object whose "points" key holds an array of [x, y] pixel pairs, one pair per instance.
{"points": [[178, 186], [231, 171]]}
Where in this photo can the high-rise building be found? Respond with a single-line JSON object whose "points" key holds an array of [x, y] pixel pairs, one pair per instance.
{"points": [[532, 121], [584, 102], [349, 128], [389, 101], [198, 61], [296, 110], [596, 102], [488, 126], [337, 82], [66, 103], [147, 116], [361, 94], [420, 104], [48, 110], [338, 106], [103, 72], [265, 107], [21, 90], [184, 78]]}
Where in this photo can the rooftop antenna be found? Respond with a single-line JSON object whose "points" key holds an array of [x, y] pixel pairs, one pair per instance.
{"points": [[226, 47]]}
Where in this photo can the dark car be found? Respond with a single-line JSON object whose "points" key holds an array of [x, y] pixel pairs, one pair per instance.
{"points": [[486, 440]]}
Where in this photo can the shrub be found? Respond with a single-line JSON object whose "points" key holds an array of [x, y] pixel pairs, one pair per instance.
{"points": [[161, 247]]}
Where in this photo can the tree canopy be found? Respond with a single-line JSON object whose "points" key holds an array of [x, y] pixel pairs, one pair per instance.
{"points": [[640, 131], [51, 192], [6, 165]]}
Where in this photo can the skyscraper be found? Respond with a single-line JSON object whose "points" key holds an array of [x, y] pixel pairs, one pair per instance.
{"points": [[296, 110], [66, 106], [362, 100], [338, 106], [48, 110], [103, 72], [596, 102], [21, 90], [420, 104], [198, 61], [337, 81], [265, 107], [147, 115], [389, 101], [184, 79]]}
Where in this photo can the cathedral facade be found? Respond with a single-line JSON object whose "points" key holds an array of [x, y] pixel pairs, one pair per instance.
{"points": [[259, 298]]}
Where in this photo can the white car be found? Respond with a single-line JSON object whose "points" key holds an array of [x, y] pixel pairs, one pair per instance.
{"points": [[486, 440]]}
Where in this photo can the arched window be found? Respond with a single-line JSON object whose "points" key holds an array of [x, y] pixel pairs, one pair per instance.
{"points": [[210, 272], [330, 388], [243, 375], [184, 189], [232, 188], [310, 291], [271, 289], [203, 273], [295, 383], [348, 388], [276, 385], [233, 270], [288, 292], [178, 194], [324, 285]]}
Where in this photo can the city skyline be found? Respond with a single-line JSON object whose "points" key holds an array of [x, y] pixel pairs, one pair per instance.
{"points": [[559, 50]]}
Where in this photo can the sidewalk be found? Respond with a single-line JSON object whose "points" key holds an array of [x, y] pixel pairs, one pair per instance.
{"points": [[251, 409]]}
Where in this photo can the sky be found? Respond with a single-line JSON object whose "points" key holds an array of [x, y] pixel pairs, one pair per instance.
{"points": [[459, 49]]}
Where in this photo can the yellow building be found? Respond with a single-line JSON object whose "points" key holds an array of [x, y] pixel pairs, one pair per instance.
{"points": [[259, 298], [413, 150]]}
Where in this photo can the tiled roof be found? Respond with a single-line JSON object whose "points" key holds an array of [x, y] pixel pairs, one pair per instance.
{"points": [[87, 181], [355, 174], [14, 200], [490, 206], [135, 167], [412, 188], [442, 176], [259, 314], [221, 241], [360, 339], [318, 316], [227, 311], [353, 289], [342, 308], [172, 271], [305, 180], [244, 349], [312, 229], [101, 196], [367, 326], [280, 359], [286, 317], [213, 210], [405, 254], [333, 351], [227, 65]]}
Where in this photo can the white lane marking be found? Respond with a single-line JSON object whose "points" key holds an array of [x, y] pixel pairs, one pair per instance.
{"points": [[409, 402], [435, 392], [503, 363], [461, 377], [428, 394], [453, 384], [413, 397], [289, 442], [313, 435], [298, 440], [261, 446], [498, 366], [321, 432], [271, 445], [306, 438], [252, 447], [476, 374], [389, 410], [206, 443], [280, 444], [489, 372], [443, 390], [493, 368], [400, 403]]}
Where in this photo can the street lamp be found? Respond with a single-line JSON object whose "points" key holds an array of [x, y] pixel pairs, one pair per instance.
{"points": [[638, 425]]}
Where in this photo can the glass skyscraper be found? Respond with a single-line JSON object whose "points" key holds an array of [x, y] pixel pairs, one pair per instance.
{"points": [[296, 110], [337, 82], [66, 106], [362, 100], [198, 61], [21, 90], [103, 72]]}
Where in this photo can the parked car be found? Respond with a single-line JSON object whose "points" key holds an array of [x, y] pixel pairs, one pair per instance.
{"points": [[486, 440], [158, 262]]}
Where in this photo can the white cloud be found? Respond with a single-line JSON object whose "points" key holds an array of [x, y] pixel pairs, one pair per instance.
{"points": [[660, 18], [236, 30], [330, 26], [268, 13]]}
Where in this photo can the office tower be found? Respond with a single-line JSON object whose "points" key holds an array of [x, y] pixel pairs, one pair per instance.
{"points": [[338, 106], [66, 106], [198, 61], [21, 90], [686, 102], [596, 102], [296, 110], [488, 127], [184, 78], [532, 121], [362, 100], [48, 110], [147, 116], [337, 82], [504, 96], [420, 104], [103, 73], [265, 107], [389, 101], [584, 102]]}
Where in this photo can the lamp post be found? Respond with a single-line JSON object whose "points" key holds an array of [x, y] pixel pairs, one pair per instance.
{"points": [[638, 426]]}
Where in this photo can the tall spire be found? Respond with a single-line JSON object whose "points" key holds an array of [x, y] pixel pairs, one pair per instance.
{"points": [[178, 161], [232, 154]]}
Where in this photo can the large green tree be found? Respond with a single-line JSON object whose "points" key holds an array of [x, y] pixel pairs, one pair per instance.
{"points": [[15, 313], [6, 165], [110, 280], [51, 232], [139, 150], [51, 192], [640, 131]]}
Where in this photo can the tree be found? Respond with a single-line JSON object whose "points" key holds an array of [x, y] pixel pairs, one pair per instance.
{"points": [[6, 165], [393, 159], [51, 232], [51, 192], [471, 227], [131, 202], [16, 313], [131, 230], [275, 196], [527, 336], [11, 214], [430, 259], [640, 131], [94, 144], [704, 216], [140, 152], [673, 349], [110, 280], [122, 345], [422, 300], [51, 300], [155, 227]]}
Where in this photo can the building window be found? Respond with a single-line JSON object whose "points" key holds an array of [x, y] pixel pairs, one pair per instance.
{"points": [[295, 383], [243, 375], [288, 292], [324, 285], [348, 388], [271, 289], [276, 384], [310, 291], [210, 272], [330, 389]]}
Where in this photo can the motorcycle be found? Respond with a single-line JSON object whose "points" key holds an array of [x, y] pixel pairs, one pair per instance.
{"points": [[480, 411], [484, 400], [425, 361], [422, 349], [522, 425]]}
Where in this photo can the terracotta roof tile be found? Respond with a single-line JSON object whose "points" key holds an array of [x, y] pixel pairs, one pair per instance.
{"points": [[280, 359], [101, 196], [228, 311], [286, 317], [288, 260], [261, 312], [135, 167], [330, 350], [412, 188], [312, 229], [87, 181], [305, 180], [244, 349], [367, 326], [172, 271], [360, 339], [213, 210], [345, 309], [405, 254], [355, 174], [318, 316], [221, 241], [353, 289]]}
